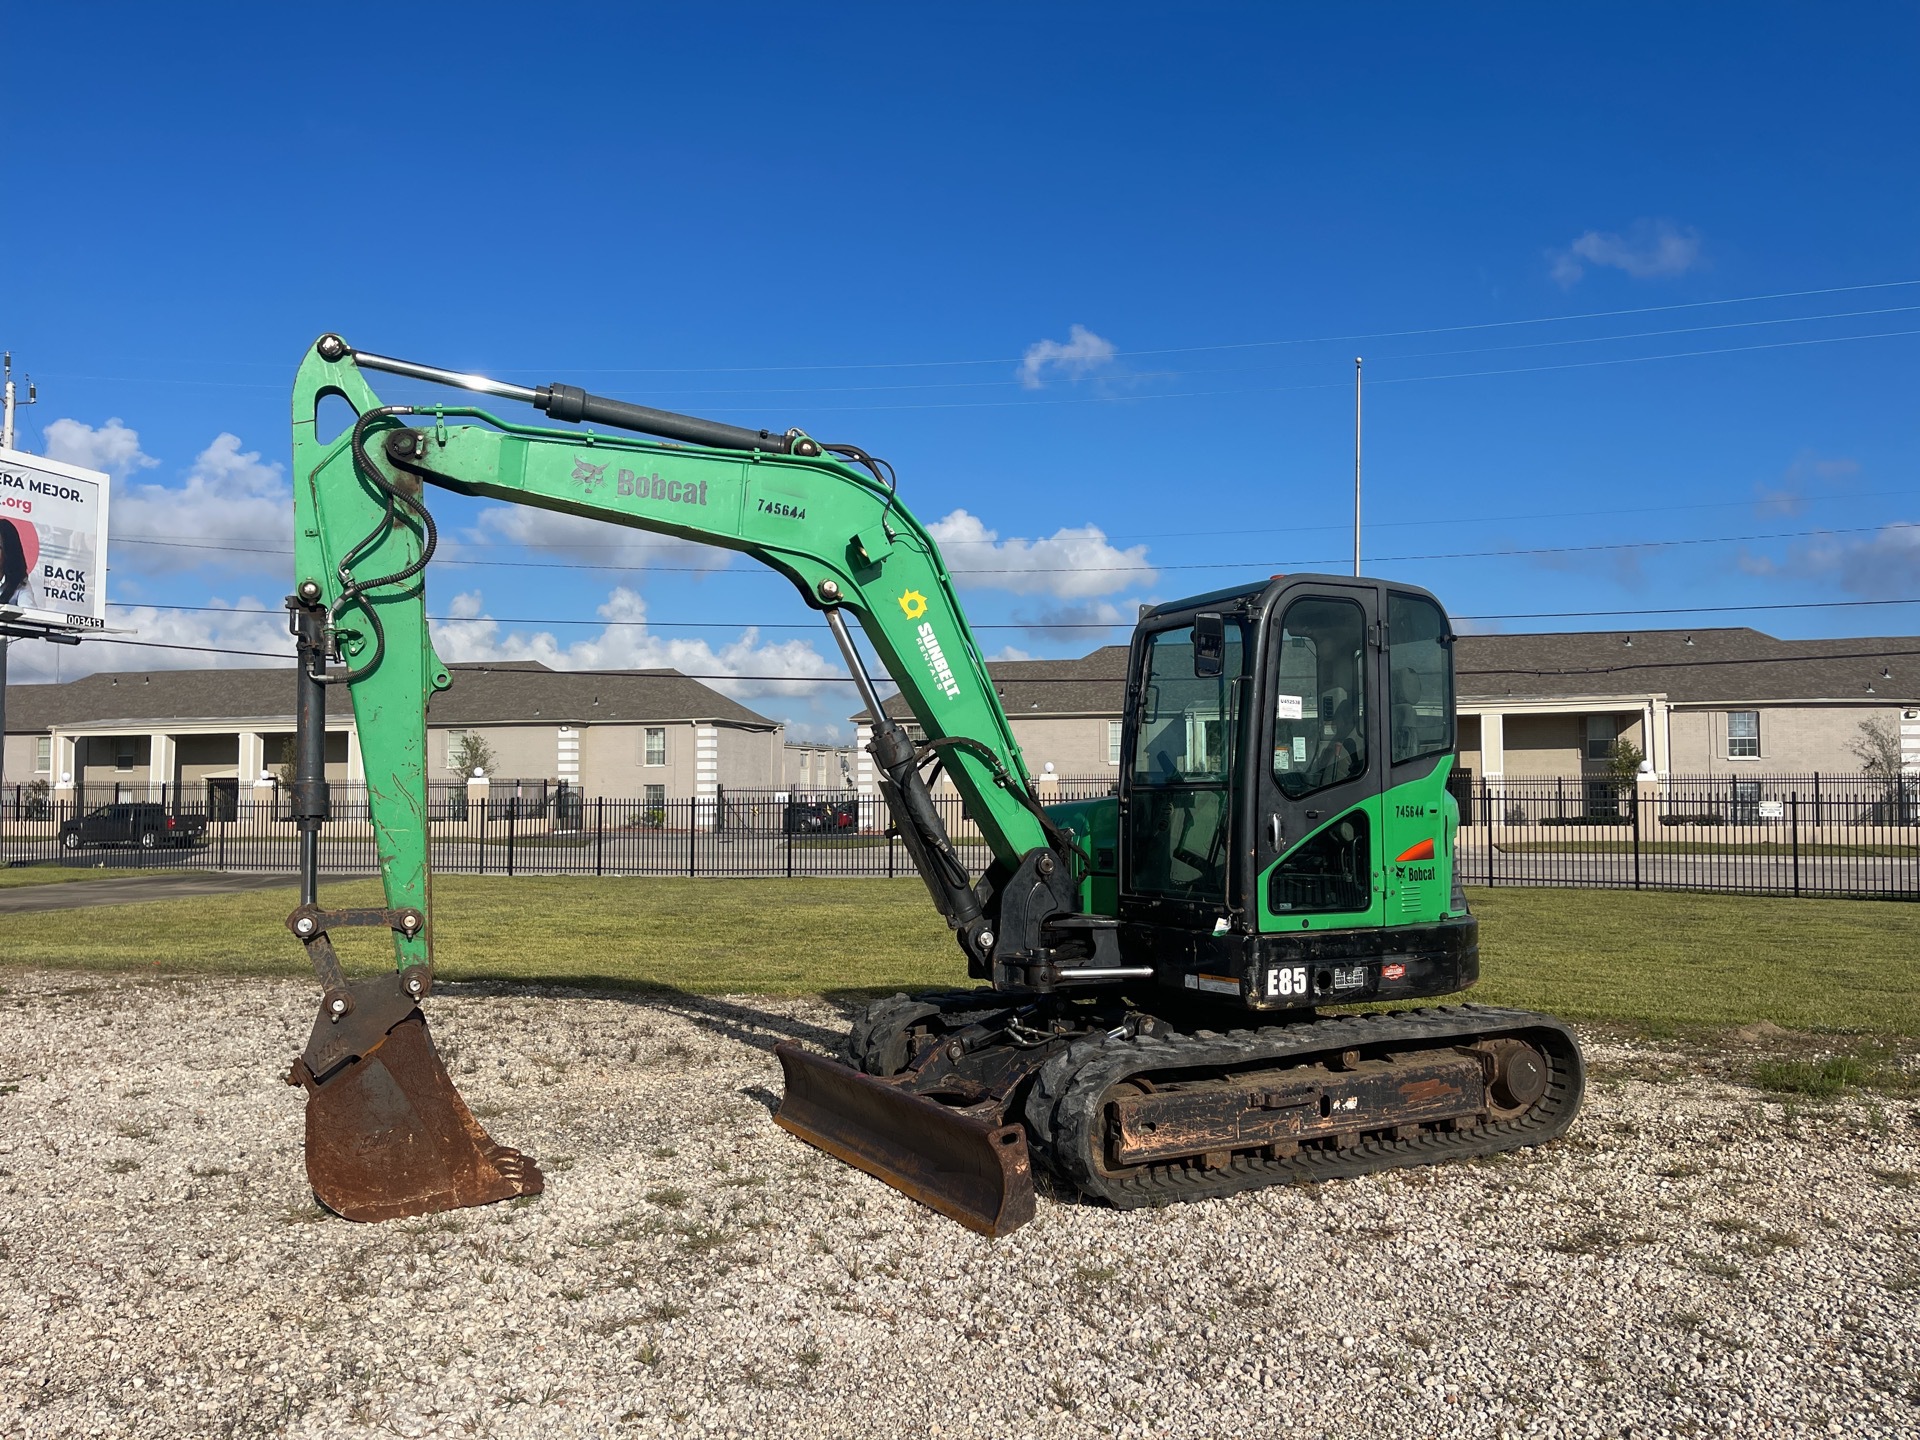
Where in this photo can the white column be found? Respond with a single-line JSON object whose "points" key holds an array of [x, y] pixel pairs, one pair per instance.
{"points": [[706, 773], [356, 766], [873, 810], [1493, 745], [160, 766], [253, 757], [66, 772]]}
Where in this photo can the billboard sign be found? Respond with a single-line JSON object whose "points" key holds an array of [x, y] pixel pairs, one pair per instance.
{"points": [[53, 543]]}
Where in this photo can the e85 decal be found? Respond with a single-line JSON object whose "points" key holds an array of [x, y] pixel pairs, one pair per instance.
{"points": [[1287, 982]]}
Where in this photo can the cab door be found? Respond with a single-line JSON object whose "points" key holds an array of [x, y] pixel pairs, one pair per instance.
{"points": [[1319, 828]]}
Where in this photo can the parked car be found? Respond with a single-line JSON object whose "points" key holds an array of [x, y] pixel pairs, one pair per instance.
{"points": [[813, 817], [126, 823]]}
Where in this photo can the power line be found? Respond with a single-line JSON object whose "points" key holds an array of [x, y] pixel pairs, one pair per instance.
{"points": [[769, 394], [1137, 397], [188, 541], [1011, 680], [1697, 664], [1266, 344], [962, 573], [1018, 359], [652, 624], [1162, 534]]}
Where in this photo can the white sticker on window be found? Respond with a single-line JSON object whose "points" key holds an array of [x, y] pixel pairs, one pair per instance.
{"points": [[1288, 707], [1299, 749]]}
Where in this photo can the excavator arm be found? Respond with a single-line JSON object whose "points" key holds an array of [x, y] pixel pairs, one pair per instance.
{"points": [[387, 1134]]}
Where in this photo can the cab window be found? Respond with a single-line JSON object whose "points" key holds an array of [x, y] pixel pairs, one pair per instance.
{"points": [[1320, 697], [1182, 768], [1419, 678]]}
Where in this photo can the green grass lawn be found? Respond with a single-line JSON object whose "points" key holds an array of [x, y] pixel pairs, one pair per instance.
{"points": [[1654, 961]]}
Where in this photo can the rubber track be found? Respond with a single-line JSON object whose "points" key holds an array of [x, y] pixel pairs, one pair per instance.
{"points": [[1066, 1109]]}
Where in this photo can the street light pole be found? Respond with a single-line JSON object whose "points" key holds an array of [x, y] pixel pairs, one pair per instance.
{"points": [[1356, 465]]}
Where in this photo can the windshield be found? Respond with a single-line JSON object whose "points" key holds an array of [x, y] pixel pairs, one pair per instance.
{"points": [[1184, 755]]}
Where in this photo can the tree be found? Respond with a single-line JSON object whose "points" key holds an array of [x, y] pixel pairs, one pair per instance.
{"points": [[472, 753], [289, 762], [1624, 762], [1878, 749]]}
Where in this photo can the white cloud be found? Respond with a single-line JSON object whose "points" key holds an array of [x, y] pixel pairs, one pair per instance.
{"points": [[1082, 352], [626, 644], [112, 448], [1884, 564], [577, 538], [1010, 652], [1650, 250], [1069, 622], [817, 733], [219, 630], [1789, 497], [231, 500], [1075, 562]]}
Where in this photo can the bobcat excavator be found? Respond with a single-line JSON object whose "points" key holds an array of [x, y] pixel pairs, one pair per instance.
{"points": [[1152, 968]]}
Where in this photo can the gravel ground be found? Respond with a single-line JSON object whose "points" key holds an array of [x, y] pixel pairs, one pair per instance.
{"points": [[1692, 1259]]}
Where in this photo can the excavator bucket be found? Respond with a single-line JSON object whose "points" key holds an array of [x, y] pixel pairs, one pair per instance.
{"points": [[966, 1163], [387, 1133]]}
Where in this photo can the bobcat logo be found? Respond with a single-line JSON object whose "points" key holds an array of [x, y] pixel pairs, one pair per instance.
{"points": [[591, 477]]}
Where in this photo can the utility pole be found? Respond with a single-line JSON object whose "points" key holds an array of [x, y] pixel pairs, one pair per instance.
{"points": [[6, 424], [6, 443], [1356, 465]]}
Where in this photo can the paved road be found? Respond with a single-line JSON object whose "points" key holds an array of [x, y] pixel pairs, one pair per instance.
{"points": [[185, 885], [1888, 875]]}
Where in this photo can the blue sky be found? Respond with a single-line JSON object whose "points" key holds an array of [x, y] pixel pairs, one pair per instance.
{"points": [[1093, 278]]}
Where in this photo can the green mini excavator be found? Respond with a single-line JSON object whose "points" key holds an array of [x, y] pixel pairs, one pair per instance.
{"points": [[1161, 976]]}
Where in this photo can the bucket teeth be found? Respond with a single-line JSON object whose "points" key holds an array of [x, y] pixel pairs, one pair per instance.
{"points": [[388, 1135]]}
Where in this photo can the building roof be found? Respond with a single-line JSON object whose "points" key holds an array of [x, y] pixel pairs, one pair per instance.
{"points": [[1689, 667], [1726, 665], [507, 693]]}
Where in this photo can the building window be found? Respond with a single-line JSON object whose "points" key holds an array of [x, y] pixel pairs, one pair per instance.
{"points": [[454, 740], [1601, 733], [654, 745], [1113, 742], [656, 797], [123, 752], [1743, 734], [43, 755]]}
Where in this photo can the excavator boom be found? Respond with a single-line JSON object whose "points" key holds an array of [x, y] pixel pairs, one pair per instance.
{"points": [[387, 1132]]}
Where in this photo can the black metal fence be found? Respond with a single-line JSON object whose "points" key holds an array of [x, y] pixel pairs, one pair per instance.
{"points": [[1775, 835], [1759, 835], [559, 832]]}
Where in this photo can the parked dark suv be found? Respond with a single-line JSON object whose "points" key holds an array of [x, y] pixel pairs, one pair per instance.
{"points": [[148, 826], [814, 817]]}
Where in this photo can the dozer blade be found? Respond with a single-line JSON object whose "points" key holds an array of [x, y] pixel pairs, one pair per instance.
{"points": [[971, 1167], [388, 1135]]}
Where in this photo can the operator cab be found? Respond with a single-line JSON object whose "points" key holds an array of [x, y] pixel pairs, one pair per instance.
{"points": [[1287, 837]]}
